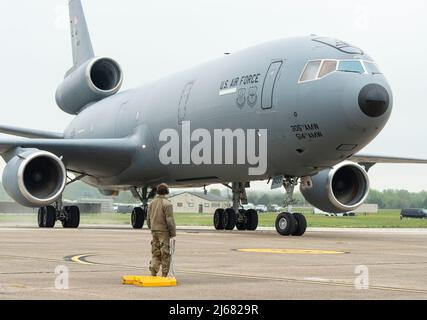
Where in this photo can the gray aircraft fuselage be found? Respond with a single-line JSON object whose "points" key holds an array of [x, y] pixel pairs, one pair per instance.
{"points": [[311, 125]]}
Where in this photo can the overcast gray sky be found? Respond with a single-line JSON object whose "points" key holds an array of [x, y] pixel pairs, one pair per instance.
{"points": [[153, 38]]}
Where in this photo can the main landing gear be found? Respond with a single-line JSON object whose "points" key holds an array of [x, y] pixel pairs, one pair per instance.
{"points": [[290, 224], [68, 215], [236, 217], [287, 223], [139, 214]]}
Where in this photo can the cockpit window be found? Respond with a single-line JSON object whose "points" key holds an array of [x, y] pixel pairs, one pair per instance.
{"points": [[311, 70], [328, 66], [351, 66], [318, 69], [371, 67]]}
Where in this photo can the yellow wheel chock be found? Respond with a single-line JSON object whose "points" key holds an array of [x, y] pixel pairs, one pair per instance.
{"points": [[147, 281]]}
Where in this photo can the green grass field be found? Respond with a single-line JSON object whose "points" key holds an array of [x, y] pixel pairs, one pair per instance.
{"points": [[383, 219]]}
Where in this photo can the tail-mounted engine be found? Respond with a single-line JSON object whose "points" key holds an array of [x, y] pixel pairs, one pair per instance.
{"points": [[93, 81]]}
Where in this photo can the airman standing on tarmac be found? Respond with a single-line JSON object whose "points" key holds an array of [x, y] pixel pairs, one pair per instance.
{"points": [[162, 224]]}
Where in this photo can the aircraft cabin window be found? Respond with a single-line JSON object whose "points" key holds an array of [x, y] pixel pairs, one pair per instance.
{"points": [[351, 66], [371, 67], [328, 66], [311, 70]]}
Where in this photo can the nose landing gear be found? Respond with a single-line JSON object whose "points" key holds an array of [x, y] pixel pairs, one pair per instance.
{"points": [[287, 223]]}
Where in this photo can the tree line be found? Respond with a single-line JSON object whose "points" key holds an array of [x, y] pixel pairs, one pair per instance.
{"points": [[387, 199]]}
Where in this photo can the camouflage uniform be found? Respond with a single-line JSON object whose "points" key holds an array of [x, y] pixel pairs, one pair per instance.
{"points": [[162, 224]]}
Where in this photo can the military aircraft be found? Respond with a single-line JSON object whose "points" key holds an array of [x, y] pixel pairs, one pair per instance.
{"points": [[309, 105]]}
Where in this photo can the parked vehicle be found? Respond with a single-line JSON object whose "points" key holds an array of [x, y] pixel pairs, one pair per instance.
{"points": [[248, 206], [123, 208], [413, 213], [261, 208], [346, 214], [276, 208], [328, 214], [323, 213]]}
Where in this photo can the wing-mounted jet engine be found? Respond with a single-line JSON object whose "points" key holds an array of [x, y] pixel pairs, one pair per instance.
{"points": [[35, 178], [342, 188]]}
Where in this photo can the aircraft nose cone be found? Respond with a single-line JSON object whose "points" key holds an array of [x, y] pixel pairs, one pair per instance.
{"points": [[374, 100]]}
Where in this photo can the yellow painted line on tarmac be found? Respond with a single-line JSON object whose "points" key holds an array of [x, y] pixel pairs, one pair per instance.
{"points": [[292, 251], [328, 282], [81, 259]]}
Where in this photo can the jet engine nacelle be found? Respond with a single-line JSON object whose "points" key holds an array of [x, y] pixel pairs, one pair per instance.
{"points": [[343, 188], [35, 178], [93, 81]]}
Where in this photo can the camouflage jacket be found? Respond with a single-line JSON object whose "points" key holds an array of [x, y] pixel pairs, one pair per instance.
{"points": [[160, 216]]}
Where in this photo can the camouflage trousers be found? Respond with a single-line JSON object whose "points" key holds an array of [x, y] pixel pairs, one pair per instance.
{"points": [[160, 251]]}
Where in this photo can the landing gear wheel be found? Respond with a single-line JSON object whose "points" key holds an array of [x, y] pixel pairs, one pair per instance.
{"points": [[40, 218], [138, 217], [252, 220], [301, 225], [72, 217], [47, 217], [229, 219], [242, 220], [285, 224], [219, 219]]}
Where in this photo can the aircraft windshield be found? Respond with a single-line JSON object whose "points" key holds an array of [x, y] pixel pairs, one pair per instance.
{"points": [[371, 67], [328, 66], [311, 70], [318, 69], [351, 66]]}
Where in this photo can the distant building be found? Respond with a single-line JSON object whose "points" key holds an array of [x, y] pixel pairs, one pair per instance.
{"points": [[105, 205], [367, 208], [13, 208], [198, 202]]}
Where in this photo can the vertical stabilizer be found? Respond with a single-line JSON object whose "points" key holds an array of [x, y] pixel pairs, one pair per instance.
{"points": [[80, 37]]}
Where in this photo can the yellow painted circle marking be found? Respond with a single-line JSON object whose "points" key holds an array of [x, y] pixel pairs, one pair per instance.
{"points": [[291, 251]]}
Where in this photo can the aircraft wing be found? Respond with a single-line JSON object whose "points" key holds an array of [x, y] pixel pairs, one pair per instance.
{"points": [[30, 133], [373, 159], [82, 155]]}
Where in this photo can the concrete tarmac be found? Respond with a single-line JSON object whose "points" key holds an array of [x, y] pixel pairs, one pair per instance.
{"points": [[324, 264]]}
